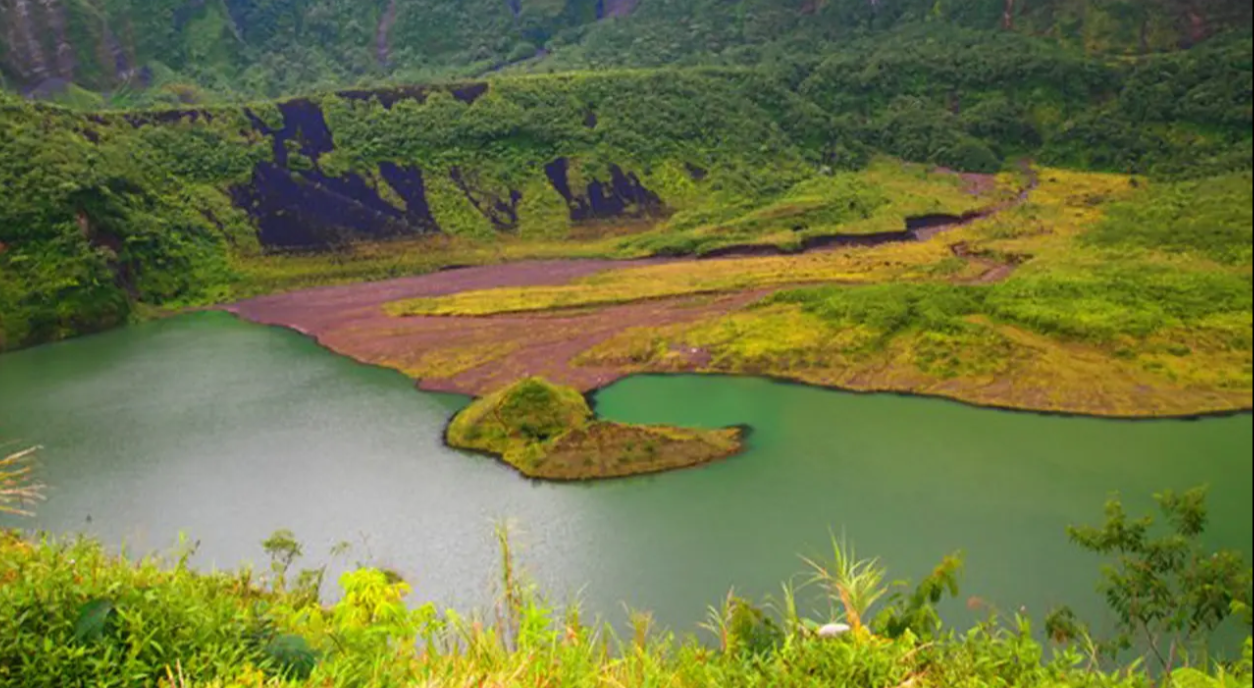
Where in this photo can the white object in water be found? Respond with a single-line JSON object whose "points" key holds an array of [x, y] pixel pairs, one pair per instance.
{"points": [[834, 630]]}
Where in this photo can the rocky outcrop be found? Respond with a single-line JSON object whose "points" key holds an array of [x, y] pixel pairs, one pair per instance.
{"points": [[54, 16], [623, 195], [26, 56], [501, 211], [310, 210], [296, 205], [42, 54]]}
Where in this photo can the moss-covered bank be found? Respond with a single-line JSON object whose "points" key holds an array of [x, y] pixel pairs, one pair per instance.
{"points": [[550, 432]]}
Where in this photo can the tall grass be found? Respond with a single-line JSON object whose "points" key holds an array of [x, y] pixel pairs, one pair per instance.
{"points": [[17, 485], [856, 583]]}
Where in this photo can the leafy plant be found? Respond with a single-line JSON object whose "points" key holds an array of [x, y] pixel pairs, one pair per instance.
{"points": [[72, 615], [915, 612], [1167, 590], [852, 585]]}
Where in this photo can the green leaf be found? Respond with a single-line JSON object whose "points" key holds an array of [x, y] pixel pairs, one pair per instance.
{"points": [[1192, 678], [294, 655], [94, 620]]}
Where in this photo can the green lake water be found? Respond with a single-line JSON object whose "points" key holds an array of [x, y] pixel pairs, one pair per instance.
{"points": [[228, 431]]}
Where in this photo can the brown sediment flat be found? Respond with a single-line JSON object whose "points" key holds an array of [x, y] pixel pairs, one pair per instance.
{"points": [[477, 355], [350, 320]]}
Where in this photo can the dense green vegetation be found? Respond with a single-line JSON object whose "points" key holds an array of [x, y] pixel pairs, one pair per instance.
{"points": [[131, 52], [549, 431], [109, 216], [72, 614], [89, 229], [1212, 218]]}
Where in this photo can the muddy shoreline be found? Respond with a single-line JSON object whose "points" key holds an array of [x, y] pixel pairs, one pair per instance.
{"points": [[349, 320], [590, 394], [475, 355]]}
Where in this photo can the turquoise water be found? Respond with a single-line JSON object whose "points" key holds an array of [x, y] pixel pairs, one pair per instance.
{"points": [[228, 431]]}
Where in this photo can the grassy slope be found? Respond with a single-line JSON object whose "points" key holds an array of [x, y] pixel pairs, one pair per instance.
{"points": [[1082, 325], [547, 431], [878, 199], [1125, 301]]}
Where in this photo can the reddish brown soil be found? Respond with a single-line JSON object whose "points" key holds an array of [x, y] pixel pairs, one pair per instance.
{"points": [[350, 320]]}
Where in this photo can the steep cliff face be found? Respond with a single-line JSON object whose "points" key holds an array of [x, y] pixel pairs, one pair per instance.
{"points": [[37, 43], [273, 47]]}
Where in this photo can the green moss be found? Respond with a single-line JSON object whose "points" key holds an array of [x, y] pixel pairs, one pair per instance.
{"points": [[542, 212], [453, 212]]}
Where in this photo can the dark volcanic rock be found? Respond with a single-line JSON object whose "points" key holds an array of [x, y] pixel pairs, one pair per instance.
{"points": [[407, 181], [309, 210], [622, 196]]}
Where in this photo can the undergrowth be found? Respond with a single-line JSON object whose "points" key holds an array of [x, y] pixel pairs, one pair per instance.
{"points": [[72, 614]]}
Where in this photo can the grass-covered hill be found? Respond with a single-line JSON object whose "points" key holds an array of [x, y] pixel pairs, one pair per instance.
{"points": [[144, 51], [109, 213]]}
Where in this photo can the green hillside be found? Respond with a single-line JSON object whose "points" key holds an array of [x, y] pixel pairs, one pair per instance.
{"points": [[189, 50], [119, 210]]}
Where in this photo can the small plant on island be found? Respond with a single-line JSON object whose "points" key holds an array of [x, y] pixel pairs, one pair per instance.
{"points": [[550, 432]]}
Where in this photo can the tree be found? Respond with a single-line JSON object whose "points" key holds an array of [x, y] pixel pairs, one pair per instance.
{"points": [[1166, 590]]}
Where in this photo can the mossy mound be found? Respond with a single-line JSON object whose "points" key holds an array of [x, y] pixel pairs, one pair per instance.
{"points": [[548, 431]]}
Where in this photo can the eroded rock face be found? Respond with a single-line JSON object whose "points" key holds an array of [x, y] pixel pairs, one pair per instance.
{"points": [[310, 210], [622, 195], [39, 48], [297, 205]]}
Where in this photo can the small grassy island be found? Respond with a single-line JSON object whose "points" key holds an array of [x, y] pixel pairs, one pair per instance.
{"points": [[550, 432]]}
